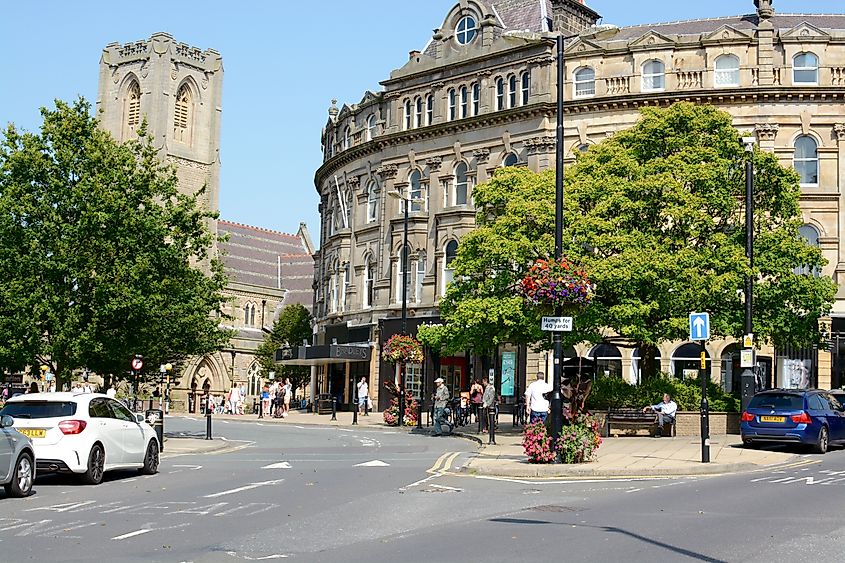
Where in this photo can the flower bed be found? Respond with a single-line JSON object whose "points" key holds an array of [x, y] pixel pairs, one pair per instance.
{"points": [[552, 283], [402, 349], [578, 442]]}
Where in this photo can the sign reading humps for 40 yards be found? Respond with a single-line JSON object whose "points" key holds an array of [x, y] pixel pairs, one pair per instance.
{"points": [[556, 324]]}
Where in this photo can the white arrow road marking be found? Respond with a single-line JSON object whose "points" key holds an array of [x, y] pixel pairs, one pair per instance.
{"points": [[374, 463], [244, 488], [280, 465]]}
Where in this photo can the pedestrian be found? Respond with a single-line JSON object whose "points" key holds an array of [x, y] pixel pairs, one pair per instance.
{"points": [[86, 388], [242, 401], [488, 403], [265, 401], [286, 399], [476, 392], [441, 398], [535, 403], [33, 387], [363, 395], [110, 392], [274, 402], [234, 398], [75, 388]]}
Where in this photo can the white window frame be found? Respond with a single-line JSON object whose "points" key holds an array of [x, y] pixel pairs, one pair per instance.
{"points": [[525, 84], [418, 112], [369, 284], [429, 109], [371, 127], [415, 191], [399, 273], [500, 94], [650, 78], [461, 185], [476, 98], [346, 138], [464, 92], [814, 69], [453, 104], [814, 159], [372, 202], [513, 95], [407, 107], [584, 87], [465, 34], [726, 76], [345, 282], [420, 275]]}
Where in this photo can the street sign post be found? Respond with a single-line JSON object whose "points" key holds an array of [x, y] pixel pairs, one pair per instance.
{"points": [[699, 326], [556, 324], [137, 364]]}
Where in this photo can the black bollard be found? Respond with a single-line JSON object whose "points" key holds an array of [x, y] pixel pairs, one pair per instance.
{"points": [[334, 408], [491, 425], [355, 412], [207, 420]]}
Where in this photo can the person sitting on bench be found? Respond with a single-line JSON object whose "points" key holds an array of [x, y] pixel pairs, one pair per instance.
{"points": [[665, 413]]}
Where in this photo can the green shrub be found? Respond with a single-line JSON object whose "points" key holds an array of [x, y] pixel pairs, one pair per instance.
{"points": [[614, 392]]}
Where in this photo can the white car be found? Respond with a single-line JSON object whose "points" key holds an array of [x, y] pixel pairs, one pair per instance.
{"points": [[84, 433]]}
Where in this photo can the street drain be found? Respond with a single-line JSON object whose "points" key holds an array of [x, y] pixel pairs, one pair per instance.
{"points": [[554, 508]]}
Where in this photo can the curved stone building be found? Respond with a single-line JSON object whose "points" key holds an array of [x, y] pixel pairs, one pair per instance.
{"points": [[482, 95]]}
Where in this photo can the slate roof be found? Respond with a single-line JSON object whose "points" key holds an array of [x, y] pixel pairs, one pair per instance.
{"points": [[523, 15], [252, 254], [747, 22]]}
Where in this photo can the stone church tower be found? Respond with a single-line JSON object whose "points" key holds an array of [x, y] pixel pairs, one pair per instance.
{"points": [[178, 89]]}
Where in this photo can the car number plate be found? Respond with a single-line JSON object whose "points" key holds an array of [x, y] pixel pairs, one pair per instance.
{"points": [[33, 432], [772, 418]]}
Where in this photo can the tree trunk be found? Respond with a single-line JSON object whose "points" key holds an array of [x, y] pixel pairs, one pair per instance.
{"points": [[649, 366]]}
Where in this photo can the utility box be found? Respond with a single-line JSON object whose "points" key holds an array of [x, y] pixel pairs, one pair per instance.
{"points": [[748, 387], [155, 418]]}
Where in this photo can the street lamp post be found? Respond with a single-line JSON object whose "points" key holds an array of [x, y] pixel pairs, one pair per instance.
{"points": [[556, 403], [747, 376], [405, 258]]}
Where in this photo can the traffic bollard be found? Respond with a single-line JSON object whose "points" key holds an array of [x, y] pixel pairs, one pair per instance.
{"points": [[334, 408], [207, 420], [491, 425]]}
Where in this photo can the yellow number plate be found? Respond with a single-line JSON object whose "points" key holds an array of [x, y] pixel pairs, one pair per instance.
{"points": [[772, 418], [33, 432]]}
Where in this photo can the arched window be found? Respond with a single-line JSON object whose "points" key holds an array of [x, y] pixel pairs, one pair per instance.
{"points": [[249, 314], [418, 112], [500, 94], [805, 69], [345, 280], [476, 98], [429, 109], [464, 102], [452, 104], [583, 147], [448, 271], [184, 115], [686, 359], [727, 70], [466, 30], [346, 138], [333, 289], [372, 202], [420, 276], [653, 76], [253, 377], [510, 159], [806, 160], [403, 265], [407, 114], [131, 109], [811, 235], [415, 186], [608, 360], [512, 91], [585, 82], [371, 127], [526, 86], [329, 146], [461, 184], [369, 283]]}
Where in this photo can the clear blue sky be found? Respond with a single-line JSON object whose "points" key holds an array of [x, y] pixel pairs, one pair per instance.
{"points": [[284, 61]]}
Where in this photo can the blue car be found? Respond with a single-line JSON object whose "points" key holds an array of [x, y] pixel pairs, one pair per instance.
{"points": [[796, 416]]}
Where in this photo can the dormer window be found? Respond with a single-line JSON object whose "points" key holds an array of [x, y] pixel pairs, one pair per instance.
{"points": [[466, 30]]}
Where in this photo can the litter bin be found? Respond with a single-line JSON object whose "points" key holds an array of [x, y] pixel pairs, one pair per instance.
{"points": [[155, 418]]}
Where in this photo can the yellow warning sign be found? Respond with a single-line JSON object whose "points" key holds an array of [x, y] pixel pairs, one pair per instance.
{"points": [[748, 341]]}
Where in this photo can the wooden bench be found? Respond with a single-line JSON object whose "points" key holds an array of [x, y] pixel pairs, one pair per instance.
{"points": [[636, 418]]}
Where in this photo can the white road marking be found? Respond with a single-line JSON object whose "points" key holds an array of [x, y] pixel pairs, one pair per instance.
{"points": [[201, 510], [190, 418], [191, 467], [263, 558], [280, 465], [133, 534], [374, 463], [244, 488], [633, 490], [446, 488], [65, 507]]}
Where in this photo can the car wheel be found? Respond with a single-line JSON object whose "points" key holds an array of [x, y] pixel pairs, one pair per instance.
{"points": [[22, 477], [749, 444], [821, 445], [151, 459], [96, 461]]}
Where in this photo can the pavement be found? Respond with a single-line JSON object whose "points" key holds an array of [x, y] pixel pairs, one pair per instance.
{"points": [[627, 456]]}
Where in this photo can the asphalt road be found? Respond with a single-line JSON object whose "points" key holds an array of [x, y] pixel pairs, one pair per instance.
{"points": [[326, 494]]}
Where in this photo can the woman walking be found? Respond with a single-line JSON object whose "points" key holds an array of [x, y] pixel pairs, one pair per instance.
{"points": [[286, 399]]}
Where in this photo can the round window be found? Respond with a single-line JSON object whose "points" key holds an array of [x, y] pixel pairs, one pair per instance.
{"points": [[466, 30]]}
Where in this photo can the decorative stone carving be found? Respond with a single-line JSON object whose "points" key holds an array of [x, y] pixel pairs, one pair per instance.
{"points": [[839, 129], [764, 8], [433, 163], [353, 182], [766, 131], [387, 171], [542, 144], [481, 155], [542, 61]]}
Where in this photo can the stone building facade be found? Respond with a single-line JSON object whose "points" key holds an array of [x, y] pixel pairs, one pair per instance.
{"points": [[481, 95], [177, 88]]}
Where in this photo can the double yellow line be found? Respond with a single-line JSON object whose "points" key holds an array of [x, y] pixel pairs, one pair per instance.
{"points": [[444, 462]]}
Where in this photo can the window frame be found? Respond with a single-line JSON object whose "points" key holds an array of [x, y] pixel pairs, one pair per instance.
{"points": [[429, 109], [525, 84], [734, 71], [464, 92], [448, 273], [577, 82], [453, 104], [407, 107], [500, 93], [464, 34], [806, 160], [646, 76], [476, 98], [512, 91], [415, 191], [508, 156], [400, 271], [371, 127], [813, 69], [418, 112], [419, 275], [461, 186], [372, 202]]}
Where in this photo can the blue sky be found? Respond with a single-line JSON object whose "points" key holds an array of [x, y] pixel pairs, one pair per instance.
{"points": [[284, 61]]}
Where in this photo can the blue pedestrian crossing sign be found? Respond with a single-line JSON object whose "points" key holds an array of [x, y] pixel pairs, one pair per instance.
{"points": [[699, 326]]}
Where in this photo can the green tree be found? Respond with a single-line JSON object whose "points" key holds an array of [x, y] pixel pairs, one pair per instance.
{"points": [[103, 257], [290, 329], [655, 214]]}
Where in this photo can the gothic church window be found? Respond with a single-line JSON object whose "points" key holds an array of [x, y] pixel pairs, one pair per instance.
{"points": [[131, 109], [184, 115]]}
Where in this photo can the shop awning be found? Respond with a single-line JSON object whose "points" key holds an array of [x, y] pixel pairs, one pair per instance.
{"points": [[323, 355]]}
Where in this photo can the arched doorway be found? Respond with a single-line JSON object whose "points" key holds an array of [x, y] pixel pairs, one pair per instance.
{"points": [[686, 360], [608, 360], [730, 368]]}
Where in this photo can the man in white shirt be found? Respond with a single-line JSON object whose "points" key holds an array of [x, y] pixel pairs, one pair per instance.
{"points": [[536, 404], [363, 394], [665, 412]]}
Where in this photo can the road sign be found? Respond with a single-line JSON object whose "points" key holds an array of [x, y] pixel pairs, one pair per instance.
{"points": [[748, 341], [137, 363], [699, 326], [556, 324], [746, 358]]}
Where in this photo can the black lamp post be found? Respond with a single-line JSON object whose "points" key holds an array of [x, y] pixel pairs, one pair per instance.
{"points": [[747, 376], [556, 403]]}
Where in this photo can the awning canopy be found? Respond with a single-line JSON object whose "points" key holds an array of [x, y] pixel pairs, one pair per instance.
{"points": [[323, 355]]}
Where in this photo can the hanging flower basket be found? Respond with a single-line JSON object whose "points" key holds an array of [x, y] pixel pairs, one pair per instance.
{"points": [[556, 283], [402, 349]]}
